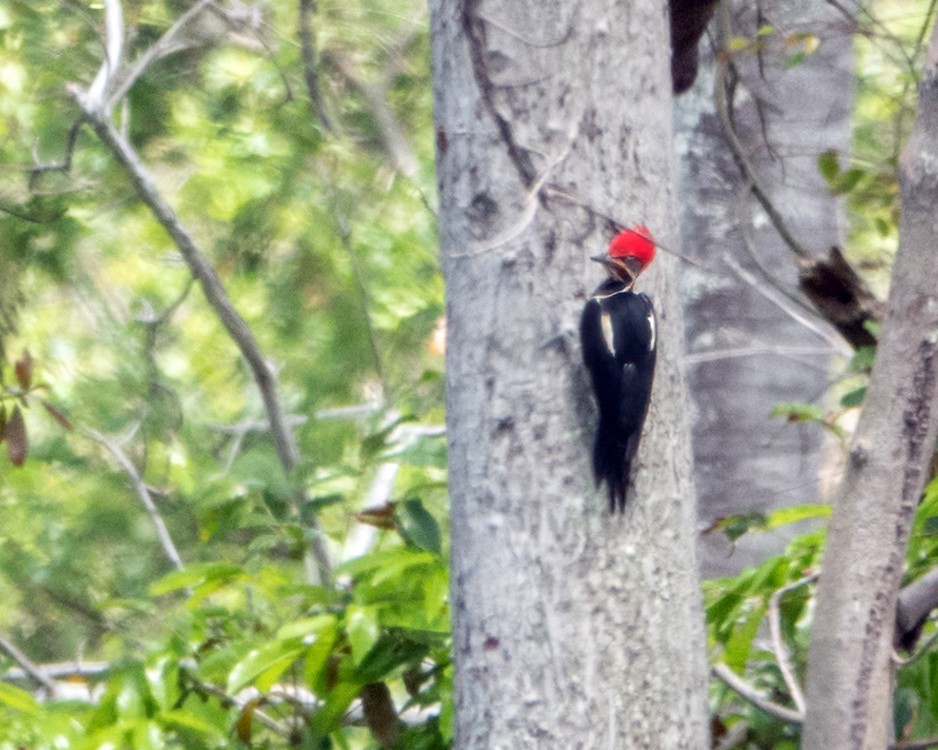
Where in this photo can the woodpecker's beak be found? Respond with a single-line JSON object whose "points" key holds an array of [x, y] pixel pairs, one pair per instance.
{"points": [[624, 269]]}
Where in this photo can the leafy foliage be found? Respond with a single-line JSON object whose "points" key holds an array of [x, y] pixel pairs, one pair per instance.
{"points": [[328, 252]]}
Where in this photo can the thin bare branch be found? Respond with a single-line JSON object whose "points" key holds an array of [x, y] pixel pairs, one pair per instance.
{"points": [[143, 494], [775, 629], [748, 693], [395, 140], [310, 72], [63, 166], [784, 302], [229, 700], [257, 425], [34, 672]]}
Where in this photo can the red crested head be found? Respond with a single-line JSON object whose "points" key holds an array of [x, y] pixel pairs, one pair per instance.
{"points": [[629, 254], [635, 243]]}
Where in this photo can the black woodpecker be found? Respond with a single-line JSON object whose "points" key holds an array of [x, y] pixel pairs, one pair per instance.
{"points": [[617, 333]]}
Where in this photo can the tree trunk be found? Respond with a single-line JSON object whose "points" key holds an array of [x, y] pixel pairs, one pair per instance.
{"points": [[572, 628], [750, 345], [849, 667]]}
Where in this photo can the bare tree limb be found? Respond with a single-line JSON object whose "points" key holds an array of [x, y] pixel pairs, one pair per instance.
{"points": [[34, 672], [96, 94], [143, 494], [778, 647], [163, 46], [916, 601], [748, 693]]}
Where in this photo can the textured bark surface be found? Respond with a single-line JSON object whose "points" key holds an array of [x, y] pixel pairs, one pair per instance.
{"points": [[750, 345], [848, 686], [573, 628]]}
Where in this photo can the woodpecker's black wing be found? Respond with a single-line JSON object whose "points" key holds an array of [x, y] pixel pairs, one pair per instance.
{"points": [[617, 332]]}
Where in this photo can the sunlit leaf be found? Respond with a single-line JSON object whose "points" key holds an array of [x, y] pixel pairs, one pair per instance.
{"points": [[194, 575], [270, 660], [18, 699], [363, 629]]}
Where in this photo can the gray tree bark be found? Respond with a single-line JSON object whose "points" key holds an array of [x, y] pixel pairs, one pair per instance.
{"points": [[849, 667], [751, 344], [573, 628]]}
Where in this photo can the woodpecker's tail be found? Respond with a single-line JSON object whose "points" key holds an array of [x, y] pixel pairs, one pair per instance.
{"points": [[612, 465]]}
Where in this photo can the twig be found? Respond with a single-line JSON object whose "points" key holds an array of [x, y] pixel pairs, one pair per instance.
{"points": [[26, 664], [140, 487], [392, 134], [785, 307], [240, 703], [748, 693], [63, 166], [160, 48], [778, 647], [791, 352], [308, 48], [257, 425]]}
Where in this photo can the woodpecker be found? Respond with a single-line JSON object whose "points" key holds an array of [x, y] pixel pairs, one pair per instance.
{"points": [[617, 333]]}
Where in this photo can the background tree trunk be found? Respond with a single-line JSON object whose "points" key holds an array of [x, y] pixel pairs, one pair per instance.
{"points": [[849, 667], [573, 628], [750, 344]]}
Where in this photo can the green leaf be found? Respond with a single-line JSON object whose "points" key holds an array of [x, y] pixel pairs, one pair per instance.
{"points": [[739, 645], [828, 165], [328, 718], [795, 412], [194, 575], [736, 526], [795, 513], [187, 720], [269, 662], [862, 360], [362, 628], [18, 699], [847, 181], [418, 526], [853, 398]]}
